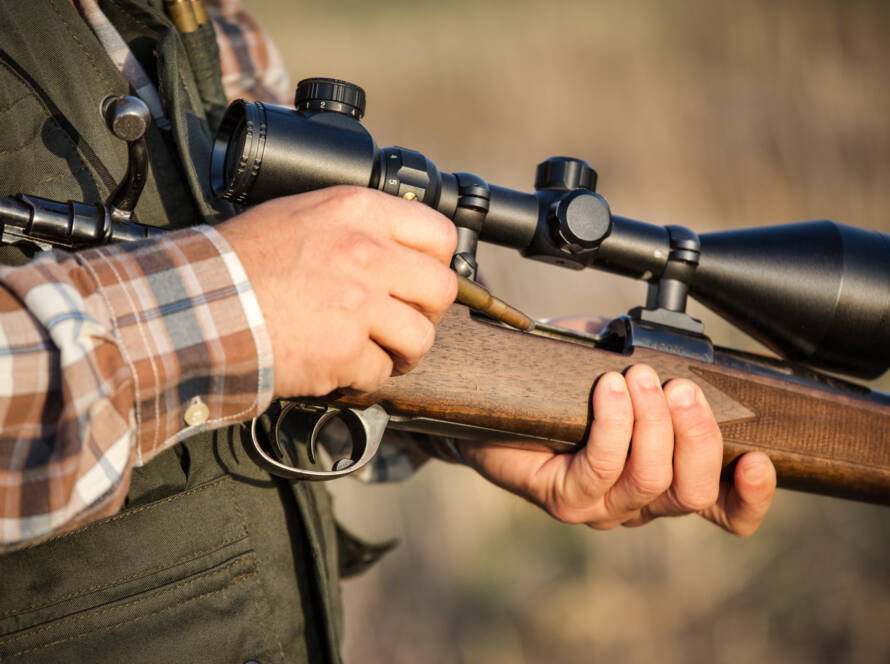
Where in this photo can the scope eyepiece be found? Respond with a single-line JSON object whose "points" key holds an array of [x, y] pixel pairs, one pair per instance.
{"points": [[263, 151], [238, 151]]}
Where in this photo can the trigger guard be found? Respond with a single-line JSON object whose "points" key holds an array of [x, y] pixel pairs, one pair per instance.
{"points": [[366, 428]]}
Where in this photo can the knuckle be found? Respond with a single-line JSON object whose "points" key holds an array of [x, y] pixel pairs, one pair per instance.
{"points": [[449, 234], [636, 518], [616, 428], [558, 505], [359, 250], [565, 513], [447, 292], [350, 296], [352, 197], [419, 340], [698, 499], [744, 529], [441, 232], [651, 483], [370, 377], [386, 370], [603, 525], [654, 418], [702, 430], [603, 469], [346, 346]]}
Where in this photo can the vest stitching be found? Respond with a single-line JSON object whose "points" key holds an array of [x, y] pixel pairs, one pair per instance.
{"points": [[3, 109], [235, 580], [241, 560], [82, 149], [129, 577], [37, 132], [233, 501], [155, 505], [27, 142], [258, 609], [32, 185], [82, 48]]}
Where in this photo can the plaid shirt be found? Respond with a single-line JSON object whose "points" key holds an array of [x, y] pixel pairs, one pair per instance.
{"points": [[251, 65]]}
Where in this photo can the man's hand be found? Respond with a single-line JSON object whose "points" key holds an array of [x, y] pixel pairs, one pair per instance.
{"points": [[350, 281], [651, 452]]}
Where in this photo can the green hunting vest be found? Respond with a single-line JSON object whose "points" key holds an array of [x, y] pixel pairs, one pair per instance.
{"points": [[211, 559]]}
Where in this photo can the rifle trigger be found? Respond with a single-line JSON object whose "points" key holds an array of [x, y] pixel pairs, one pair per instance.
{"points": [[366, 428]]}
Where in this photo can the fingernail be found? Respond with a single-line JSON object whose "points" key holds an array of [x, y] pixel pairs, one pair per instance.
{"points": [[615, 384], [682, 396], [647, 379]]}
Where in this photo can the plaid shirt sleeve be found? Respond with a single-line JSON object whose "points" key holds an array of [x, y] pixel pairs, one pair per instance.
{"points": [[252, 69], [111, 355]]}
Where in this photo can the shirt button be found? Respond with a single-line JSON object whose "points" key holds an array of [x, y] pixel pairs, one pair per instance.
{"points": [[197, 412]]}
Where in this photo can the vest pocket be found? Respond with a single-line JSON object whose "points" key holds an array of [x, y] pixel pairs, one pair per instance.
{"points": [[185, 589]]}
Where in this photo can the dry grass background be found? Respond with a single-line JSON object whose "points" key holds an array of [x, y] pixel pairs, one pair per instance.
{"points": [[708, 114]]}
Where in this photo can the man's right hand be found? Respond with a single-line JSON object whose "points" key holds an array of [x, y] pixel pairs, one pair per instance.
{"points": [[350, 281]]}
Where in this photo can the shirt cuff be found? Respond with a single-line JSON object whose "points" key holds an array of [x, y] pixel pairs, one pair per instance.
{"points": [[190, 330]]}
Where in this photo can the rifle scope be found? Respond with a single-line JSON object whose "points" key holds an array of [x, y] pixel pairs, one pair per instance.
{"points": [[814, 292]]}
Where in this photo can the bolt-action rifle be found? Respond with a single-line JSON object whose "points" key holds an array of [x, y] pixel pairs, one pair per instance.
{"points": [[816, 293]]}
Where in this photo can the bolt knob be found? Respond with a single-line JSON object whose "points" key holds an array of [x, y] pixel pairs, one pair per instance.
{"points": [[127, 117], [580, 221], [565, 173], [330, 94]]}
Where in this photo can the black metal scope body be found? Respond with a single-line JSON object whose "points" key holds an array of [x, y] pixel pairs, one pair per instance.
{"points": [[814, 292]]}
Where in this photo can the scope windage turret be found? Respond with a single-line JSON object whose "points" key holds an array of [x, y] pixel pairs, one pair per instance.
{"points": [[817, 292]]}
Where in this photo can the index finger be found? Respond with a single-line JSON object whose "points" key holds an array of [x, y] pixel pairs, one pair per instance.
{"points": [[420, 227]]}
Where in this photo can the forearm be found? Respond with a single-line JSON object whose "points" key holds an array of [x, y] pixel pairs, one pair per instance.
{"points": [[106, 352]]}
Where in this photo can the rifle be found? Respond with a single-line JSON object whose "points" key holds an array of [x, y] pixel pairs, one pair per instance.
{"points": [[817, 293]]}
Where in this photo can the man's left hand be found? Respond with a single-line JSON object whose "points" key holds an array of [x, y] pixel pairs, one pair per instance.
{"points": [[651, 452]]}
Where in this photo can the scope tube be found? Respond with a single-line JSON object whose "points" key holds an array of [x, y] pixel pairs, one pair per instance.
{"points": [[819, 294], [512, 219], [634, 249]]}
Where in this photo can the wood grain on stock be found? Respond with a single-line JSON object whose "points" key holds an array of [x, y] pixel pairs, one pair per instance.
{"points": [[820, 440]]}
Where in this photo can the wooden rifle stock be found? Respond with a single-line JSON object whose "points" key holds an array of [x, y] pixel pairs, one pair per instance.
{"points": [[824, 435]]}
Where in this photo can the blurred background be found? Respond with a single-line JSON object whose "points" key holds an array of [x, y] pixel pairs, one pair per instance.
{"points": [[708, 114]]}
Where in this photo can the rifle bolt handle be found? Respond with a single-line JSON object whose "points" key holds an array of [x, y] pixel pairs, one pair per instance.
{"points": [[127, 117]]}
